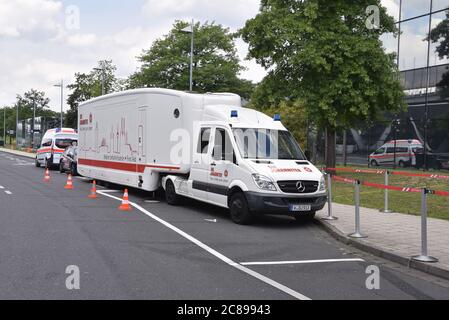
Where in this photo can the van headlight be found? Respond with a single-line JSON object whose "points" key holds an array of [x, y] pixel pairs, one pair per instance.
{"points": [[323, 184], [264, 183]]}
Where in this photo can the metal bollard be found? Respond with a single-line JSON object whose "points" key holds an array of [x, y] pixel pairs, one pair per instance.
{"points": [[387, 183], [424, 257], [357, 234], [330, 216]]}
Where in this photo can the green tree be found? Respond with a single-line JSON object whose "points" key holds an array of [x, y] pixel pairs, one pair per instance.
{"points": [[216, 64], [322, 53], [88, 86], [34, 99], [440, 35]]}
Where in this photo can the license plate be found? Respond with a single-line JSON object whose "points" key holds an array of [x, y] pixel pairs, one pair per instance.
{"points": [[300, 208]]}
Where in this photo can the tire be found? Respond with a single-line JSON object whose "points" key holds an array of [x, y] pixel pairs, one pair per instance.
{"points": [[37, 163], [374, 163], [306, 217], [61, 168], [239, 209], [402, 164], [170, 194]]}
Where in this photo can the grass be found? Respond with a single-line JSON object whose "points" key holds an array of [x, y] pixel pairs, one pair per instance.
{"points": [[408, 203]]}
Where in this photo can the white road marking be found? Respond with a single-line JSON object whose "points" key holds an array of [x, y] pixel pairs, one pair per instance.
{"points": [[8, 192], [2, 187], [210, 220], [275, 263], [215, 253], [152, 201]]}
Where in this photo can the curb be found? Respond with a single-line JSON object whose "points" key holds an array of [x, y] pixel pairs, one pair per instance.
{"points": [[408, 262], [19, 153]]}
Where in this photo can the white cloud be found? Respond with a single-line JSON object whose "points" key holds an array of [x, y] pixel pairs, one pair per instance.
{"points": [[81, 40], [232, 13], [29, 18]]}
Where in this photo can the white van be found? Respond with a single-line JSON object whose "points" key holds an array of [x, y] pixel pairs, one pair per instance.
{"points": [[54, 143], [405, 152], [205, 147]]}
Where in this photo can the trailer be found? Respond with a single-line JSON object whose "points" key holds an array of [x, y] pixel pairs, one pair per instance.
{"points": [[201, 146]]}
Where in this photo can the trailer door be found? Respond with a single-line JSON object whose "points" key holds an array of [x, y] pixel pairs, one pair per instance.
{"points": [[142, 129]]}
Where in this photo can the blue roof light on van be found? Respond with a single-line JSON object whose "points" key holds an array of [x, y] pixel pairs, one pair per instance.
{"points": [[277, 117], [234, 114], [58, 130]]}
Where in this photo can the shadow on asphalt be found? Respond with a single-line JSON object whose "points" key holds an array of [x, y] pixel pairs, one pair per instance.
{"points": [[210, 211]]}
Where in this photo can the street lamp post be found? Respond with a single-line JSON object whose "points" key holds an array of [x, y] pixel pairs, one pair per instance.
{"points": [[191, 30], [61, 85], [4, 125], [34, 124]]}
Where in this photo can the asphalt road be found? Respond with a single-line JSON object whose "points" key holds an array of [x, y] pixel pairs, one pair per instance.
{"points": [[172, 253]]}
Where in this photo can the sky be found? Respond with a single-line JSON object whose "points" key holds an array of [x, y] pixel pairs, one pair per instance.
{"points": [[43, 41]]}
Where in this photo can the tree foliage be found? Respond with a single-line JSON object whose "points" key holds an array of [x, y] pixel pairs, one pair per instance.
{"points": [[88, 86], [216, 64], [322, 53], [33, 99], [440, 35]]}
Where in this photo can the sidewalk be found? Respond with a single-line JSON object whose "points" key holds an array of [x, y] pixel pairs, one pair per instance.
{"points": [[393, 236], [18, 153]]}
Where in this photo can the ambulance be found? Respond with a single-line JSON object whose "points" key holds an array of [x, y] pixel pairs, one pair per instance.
{"points": [[404, 151], [205, 147], [54, 143]]}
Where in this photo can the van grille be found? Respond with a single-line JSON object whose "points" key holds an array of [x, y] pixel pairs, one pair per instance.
{"points": [[292, 186]]}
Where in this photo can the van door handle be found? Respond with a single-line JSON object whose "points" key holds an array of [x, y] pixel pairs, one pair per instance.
{"points": [[213, 164]]}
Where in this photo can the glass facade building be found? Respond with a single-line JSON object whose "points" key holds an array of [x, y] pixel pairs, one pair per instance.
{"points": [[421, 71]]}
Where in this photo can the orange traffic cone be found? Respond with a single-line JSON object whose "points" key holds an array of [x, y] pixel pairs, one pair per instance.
{"points": [[69, 185], [47, 176], [125, 203], [93, 191]]}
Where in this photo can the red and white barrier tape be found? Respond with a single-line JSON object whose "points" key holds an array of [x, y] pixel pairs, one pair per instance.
{"points": [[397, 173], [401, 189], [355, 170], [344, 180], [392, 188]]}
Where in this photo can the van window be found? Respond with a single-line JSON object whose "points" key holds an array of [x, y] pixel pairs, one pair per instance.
{"points": [[223, 146], [204, 140], [401, 150], [390, 150], [380, 151], [64, 143], [47, 143]]}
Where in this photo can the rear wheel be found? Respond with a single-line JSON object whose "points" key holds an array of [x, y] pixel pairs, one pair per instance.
{"points": [[240, 212], [402, 164], [306, 217], [61, 167], [170, 193], [37, 163]]}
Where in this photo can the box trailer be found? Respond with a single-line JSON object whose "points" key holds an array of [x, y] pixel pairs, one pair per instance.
{"points": [[201, 146]]}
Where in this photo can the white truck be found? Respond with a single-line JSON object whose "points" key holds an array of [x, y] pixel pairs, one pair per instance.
{"points": [[201, 146]]}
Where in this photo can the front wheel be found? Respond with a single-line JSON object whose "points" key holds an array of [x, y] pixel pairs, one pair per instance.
{"points": [[374, 163], [240, 212], [37, 163], [61, 167], [170, 193]]}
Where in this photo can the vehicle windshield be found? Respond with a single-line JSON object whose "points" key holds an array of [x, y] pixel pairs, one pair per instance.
{"points": [[266, 144], [65, 143]]}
